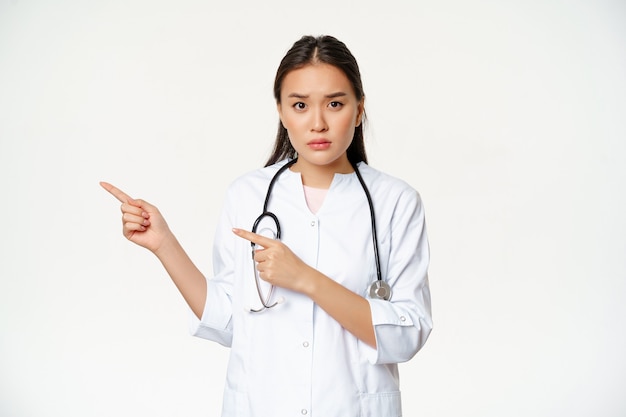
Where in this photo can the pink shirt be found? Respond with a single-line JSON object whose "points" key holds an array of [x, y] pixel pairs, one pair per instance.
{"points": [[314, 197]]}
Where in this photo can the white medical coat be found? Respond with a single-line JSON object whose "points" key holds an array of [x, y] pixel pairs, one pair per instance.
{"points": [[294, 359]]}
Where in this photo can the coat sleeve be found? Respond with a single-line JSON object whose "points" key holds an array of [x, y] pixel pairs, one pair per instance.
{"points": [[403, 324], [216, 321]]}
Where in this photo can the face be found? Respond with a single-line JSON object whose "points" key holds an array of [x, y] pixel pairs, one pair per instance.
{"points": [[320, 111]]}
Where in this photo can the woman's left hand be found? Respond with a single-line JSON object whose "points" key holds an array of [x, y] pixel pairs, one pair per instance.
{"points": [[277, 264]]}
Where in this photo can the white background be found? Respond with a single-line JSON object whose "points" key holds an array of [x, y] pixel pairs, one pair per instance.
{"points": [[507, 116]]}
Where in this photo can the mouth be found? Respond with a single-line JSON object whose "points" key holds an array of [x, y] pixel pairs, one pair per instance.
{"points": [[319, 144]]}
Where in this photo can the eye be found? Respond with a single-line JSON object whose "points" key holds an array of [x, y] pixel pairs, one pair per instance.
{"points": [[299, 106], [335, 104]]}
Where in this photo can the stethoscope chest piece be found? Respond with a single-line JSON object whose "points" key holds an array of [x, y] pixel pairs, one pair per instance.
{"points": [[380, 290]]}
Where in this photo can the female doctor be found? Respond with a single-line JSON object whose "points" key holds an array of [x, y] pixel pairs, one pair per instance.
{"points": [[318, 319]]}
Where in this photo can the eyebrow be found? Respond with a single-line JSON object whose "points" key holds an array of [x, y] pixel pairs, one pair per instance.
{"points": [[332, 95]]}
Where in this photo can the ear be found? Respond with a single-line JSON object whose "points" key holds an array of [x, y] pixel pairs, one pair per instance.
{"points": [[360, 112]]}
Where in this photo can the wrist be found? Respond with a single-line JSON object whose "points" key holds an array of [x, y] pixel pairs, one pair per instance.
{"points": [[167, 245], [313, 280]]}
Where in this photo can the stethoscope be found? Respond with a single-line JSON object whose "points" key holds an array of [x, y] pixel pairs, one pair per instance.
{"points": [[379, 289]]}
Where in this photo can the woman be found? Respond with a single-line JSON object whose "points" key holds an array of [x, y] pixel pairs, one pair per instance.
{"points": [[316, 321]]}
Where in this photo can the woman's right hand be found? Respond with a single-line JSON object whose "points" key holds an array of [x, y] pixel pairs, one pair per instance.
{"points": [[142, 222]]}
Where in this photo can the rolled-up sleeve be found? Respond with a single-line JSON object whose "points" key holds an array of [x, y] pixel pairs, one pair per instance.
{"points": [[403, 323], [216, 321]]}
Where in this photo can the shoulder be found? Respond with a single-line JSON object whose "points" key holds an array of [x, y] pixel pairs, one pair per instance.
{"points": [[387, 185], [255, 178], [394, 199]]}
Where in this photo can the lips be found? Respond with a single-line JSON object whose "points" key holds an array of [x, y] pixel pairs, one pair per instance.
{"points": [[318, 144]]}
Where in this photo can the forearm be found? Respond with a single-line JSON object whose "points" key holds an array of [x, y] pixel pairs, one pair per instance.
{"points": [[349, 309], [186, 276], [278, 265]]}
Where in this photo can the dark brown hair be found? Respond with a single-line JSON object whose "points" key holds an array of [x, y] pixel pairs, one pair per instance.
{"points": [[310, 50]]}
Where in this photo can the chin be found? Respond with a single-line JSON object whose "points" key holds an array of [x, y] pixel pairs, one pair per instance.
{"points": [[325, 160]]}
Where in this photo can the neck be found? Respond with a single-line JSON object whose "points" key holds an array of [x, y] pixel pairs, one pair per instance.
{"points": [[321, 176]]}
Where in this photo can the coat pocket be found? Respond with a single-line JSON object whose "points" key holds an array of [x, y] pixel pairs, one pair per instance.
{"points": [[379, 404]]}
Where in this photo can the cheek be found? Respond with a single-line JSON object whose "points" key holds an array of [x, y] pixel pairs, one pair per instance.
{"points": [[292, 124], [347, 125]]}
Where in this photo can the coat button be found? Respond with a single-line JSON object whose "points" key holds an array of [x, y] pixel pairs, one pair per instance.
{"points": [[305, 344], [313, 223], [304, 412]]}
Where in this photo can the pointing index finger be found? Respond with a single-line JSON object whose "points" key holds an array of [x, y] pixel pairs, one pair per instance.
{"points": [[116, 192], [266, 242]]}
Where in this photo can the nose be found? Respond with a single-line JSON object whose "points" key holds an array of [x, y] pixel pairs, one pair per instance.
{"points": [[318, 124]]}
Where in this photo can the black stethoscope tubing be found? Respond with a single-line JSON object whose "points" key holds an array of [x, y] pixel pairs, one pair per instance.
{"points": [[267, 213], [379, 289], [379, 276]]}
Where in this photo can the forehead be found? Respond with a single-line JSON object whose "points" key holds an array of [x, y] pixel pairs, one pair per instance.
{"points": [[316, 79]]}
